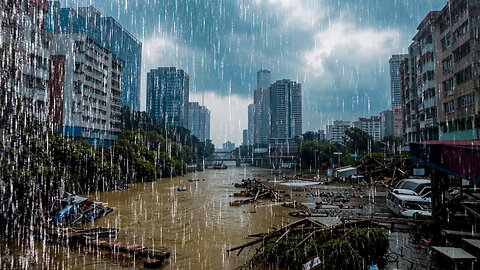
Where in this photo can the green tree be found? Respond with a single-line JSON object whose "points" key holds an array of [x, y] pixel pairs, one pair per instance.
{"points": [[358, 141], [310, 136], [314, 153]]}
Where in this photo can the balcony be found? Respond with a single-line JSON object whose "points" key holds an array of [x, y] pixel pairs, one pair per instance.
{"points": [[428, 103], [429, 66], [427, 48]]}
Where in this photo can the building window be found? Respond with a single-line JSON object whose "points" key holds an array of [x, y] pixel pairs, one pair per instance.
{"points": [[449, 107], [461, 52], [447, 64], [448, 85], [466, 100], [463, 76]]}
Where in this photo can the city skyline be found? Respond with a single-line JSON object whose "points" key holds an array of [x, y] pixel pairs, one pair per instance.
{"points": [[343, 78]]}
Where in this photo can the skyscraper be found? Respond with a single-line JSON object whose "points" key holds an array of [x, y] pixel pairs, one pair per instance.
{"points": [[251, 124], [395, 84], [167, 95], [199, 121], [263, 79], [111, 35], [262, 116], [245, 137], [286, 109], [386, 119]]}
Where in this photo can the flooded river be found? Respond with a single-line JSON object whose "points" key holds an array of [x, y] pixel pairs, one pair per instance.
{"points": [[197, 226]]}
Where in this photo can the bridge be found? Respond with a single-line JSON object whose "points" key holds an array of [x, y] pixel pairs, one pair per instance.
{"points": [[224, 156]]}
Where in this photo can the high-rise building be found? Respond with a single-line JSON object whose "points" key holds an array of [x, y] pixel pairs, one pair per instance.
{"points": [[85, 89], [245, 137], [25, 52], [372, 126], [395, 83], [456, 42], [263, 79], [251, 124], [262, 116], [419, 94], [199, 121], [111, 35], [286, 110], [228, 146], [167, 95], [386, 123], [336, 132]]}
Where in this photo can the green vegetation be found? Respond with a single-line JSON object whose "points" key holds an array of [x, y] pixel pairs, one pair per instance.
{"points": [[353, 250], [314, 153], [38, 164]]}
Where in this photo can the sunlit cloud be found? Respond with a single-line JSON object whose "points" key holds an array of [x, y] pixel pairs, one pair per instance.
{"points": [[352, 42], [228, 115]]}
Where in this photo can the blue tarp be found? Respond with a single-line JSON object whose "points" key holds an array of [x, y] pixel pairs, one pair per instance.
{"points": [[61, 214]]}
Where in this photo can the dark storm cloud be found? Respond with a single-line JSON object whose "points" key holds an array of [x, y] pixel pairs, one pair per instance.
{"points": [[223, 43]]}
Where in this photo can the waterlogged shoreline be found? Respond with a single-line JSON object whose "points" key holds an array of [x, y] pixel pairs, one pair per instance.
{"points": [[197, 225]]}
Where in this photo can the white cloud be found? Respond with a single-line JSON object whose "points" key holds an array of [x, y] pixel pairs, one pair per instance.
{"points": [[228, 116], [352, 42], [304, 14]]}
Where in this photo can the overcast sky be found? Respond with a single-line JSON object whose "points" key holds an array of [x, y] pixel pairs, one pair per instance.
{"points": [[337, 49]]}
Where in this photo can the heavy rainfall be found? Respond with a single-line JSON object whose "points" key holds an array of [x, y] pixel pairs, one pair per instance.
{"points": [[239, 134]]}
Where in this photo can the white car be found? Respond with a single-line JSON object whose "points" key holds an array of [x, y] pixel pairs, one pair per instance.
{"points": [[408, 205], [421, 187]]}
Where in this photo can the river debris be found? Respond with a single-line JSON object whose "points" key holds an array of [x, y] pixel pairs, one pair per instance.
{"points": [[71, 209], [385, 170], [256, 190], [100, 239], [350, 245]]}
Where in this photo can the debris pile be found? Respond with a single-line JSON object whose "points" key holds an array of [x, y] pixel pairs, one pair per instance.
{"points": [[256, 190], [305, 242], [385, 170]]}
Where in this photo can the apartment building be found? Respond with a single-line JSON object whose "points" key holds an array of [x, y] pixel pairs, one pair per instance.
{"points": [[372, 126], [457, 42], [85, 89], [25, 52]]}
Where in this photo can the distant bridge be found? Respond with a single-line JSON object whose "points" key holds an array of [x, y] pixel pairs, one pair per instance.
{"points": [[223, 156]]}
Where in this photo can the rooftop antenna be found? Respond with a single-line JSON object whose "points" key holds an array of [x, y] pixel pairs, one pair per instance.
{"points": [[203, 98]]}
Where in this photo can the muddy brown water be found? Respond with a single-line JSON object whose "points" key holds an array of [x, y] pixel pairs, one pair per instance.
{"points": [[197, 226]]}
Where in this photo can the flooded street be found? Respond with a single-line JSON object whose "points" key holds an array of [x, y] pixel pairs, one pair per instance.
{"points": [[197, 226]]}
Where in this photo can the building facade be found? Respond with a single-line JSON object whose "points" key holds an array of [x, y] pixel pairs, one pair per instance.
{"points": [[251, 124], [286, 110], [85, 89], [262, 116], [25, 53], [456, 42], [245, 137], [199, 121], [395, 85], [111, 35], [336, 132], [167, 95], [386, 123], [263, 79], [419, 93], [228, 146], [372, 126]]}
